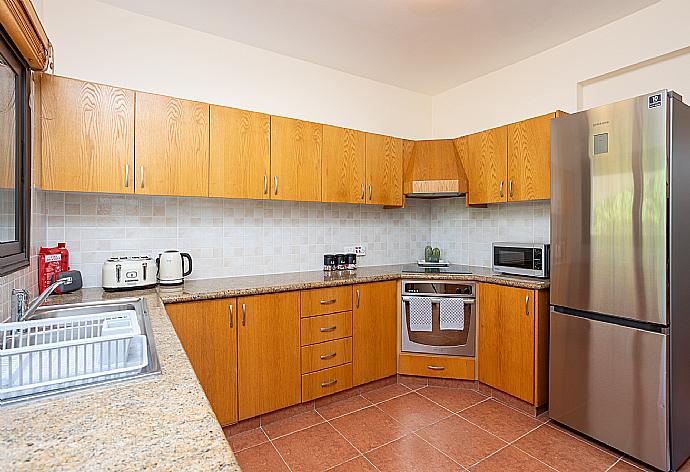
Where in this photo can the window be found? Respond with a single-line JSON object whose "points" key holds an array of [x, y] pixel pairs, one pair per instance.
{"points": [[15, 159]]}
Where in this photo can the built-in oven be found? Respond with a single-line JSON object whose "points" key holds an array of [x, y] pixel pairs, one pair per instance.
{"points": [[453, 342], [531, 259]]}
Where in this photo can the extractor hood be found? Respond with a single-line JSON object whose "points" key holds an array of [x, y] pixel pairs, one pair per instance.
{"points": [[433, 169]]}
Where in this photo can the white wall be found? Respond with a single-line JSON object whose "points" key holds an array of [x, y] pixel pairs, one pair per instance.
{"points": [[98, 42], [562, 77]]}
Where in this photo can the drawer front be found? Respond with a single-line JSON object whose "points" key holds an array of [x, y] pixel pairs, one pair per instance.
{"points": [[321, 301], [325, 382], [318, 329], [447, 367], [328, 354]]}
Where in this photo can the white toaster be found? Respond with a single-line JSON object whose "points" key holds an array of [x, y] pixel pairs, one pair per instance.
{"points": [[127, 273]]}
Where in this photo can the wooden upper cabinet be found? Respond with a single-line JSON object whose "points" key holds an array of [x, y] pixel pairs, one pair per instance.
{"points": [[487, 166], [295, 159], [87, 136], [172, 146], [343, 165], [268, 337], [207, 330], [240, 157], [384, 156], [507, 339], [374, 331], [529, 159]]}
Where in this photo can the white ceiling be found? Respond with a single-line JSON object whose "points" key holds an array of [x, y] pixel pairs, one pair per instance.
{"points": [[427, 46]]}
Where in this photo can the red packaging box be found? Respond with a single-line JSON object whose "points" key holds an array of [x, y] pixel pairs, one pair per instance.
{"points": [[51, 261]]}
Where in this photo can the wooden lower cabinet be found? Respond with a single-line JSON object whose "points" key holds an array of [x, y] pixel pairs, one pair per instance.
{"points": [[268, 341], [513, 341], [324, 355], [374, 331], [322, 328], [325, 382], [445, 367], [207, 331]]}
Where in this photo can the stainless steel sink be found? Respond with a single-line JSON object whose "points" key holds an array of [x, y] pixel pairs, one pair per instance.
{"points": [[100, 307]]}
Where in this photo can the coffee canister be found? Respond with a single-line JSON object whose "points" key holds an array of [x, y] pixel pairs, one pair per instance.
{"points": [[341, 261], [351, 261], [329, 262]]}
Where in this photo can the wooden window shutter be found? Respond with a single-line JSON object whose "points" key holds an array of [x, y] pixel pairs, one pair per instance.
{"points": [[20, 21]]}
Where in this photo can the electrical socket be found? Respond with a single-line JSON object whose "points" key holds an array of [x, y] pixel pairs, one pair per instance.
{"points": [[358, 249]]}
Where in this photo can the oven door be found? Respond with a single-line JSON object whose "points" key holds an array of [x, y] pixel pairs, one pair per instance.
{"points": [[438, 341]]}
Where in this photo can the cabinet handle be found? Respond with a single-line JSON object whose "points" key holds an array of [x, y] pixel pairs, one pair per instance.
{"points": [[330, 328], [435, 367], [265, 184], [276, 181], [230, 313], [510, 187], [244, 314], [126, 175], [328, 383], [142, 176], [357, 298], [328, 356], [527, 305], [362, 191], [370, 193], [327, 302], [501, 189]]}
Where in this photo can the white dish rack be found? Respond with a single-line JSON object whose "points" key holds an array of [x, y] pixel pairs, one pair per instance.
{"points": [[42, 355]]}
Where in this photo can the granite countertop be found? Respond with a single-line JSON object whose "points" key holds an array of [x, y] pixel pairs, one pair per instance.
{"points": [[205, 289], [162, 422]]}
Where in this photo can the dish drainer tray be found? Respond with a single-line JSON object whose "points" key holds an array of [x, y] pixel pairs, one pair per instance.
{"points": [[42, 355]]}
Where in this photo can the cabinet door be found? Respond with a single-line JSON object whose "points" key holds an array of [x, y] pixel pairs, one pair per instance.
{"points": [[343, 161], [384, 170], [171, 142], [374, 331], [487, 166], [295, 159], [240, 160], [269, 353], [207, 331], [529, 159], [87, 136], [506, 339]]}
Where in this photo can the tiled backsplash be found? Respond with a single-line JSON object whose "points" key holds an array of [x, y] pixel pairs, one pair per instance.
{"points": [[245, 237]]}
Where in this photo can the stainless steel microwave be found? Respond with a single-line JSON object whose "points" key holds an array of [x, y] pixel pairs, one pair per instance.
{"points": [[531, 259]]}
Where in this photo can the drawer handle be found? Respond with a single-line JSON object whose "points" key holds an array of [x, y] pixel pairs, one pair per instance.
{"points": [[327, 302], [330, 328], [435, 367], [328, 356], [328, 383]]}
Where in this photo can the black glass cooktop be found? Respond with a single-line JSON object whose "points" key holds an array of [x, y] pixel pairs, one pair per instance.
{"points": [[451, 269]]}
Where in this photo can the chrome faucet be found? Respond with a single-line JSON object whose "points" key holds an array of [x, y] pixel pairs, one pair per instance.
{"points": [[20, 300]]}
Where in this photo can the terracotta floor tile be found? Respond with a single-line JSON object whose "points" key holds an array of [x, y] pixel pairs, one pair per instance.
{"points": [[386, 393], [512, 459], [358, 464], [563, 451], [623, 466], [505, 422], [260, 458], [685, 467], [455, 399], [247, 439], [413, 411], [333, 410], [461, 440], [292, 424], [412, 454], [369, 428], [317, 448], [413, 383]]}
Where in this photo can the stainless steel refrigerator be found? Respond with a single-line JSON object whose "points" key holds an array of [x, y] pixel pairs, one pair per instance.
{"points": [[620, 276]]}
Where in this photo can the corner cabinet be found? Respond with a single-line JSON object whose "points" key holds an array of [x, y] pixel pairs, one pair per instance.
{"points": [[240, 153], [268, 341], [87, 136], [374, 331], [172, 146], [295, 160], [514, 340], [208, 332], [384, 162]]}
